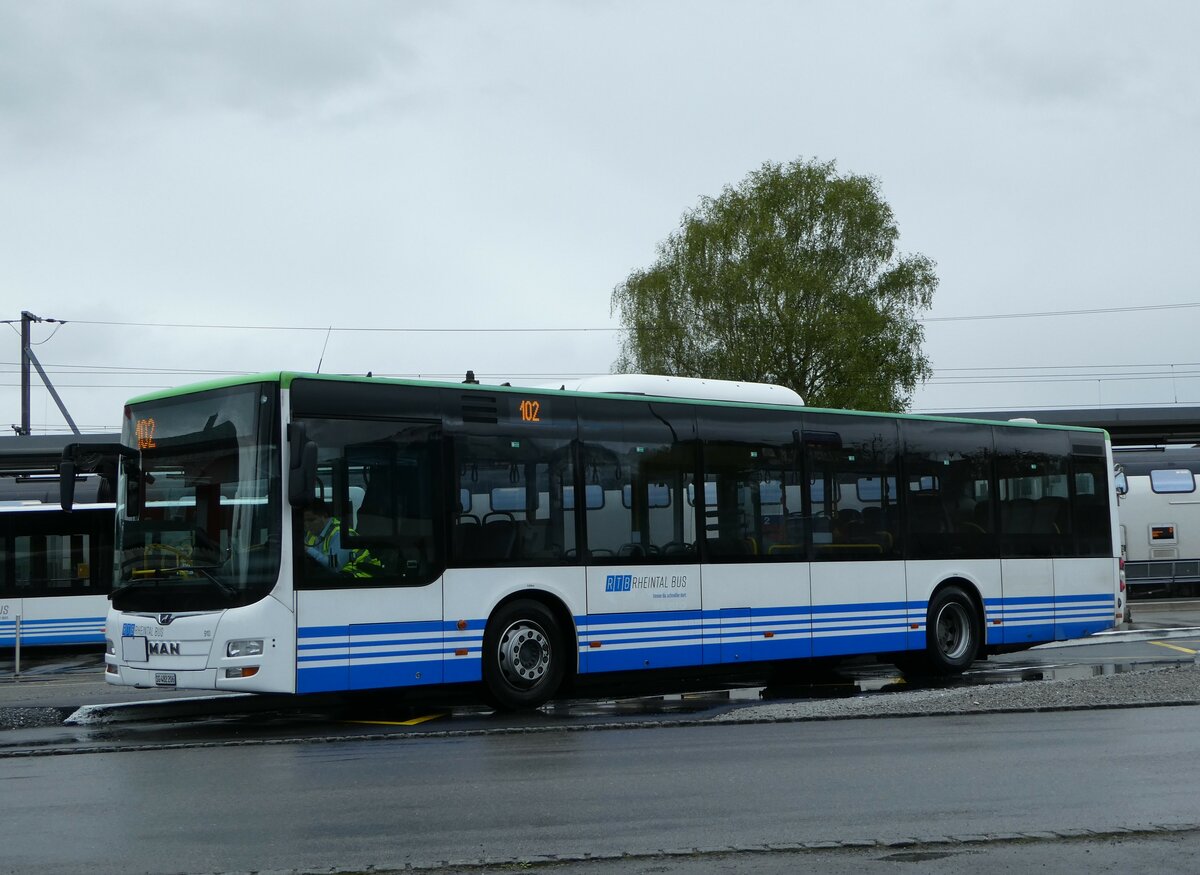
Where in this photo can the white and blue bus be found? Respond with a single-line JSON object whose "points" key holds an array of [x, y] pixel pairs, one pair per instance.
{"points": [[55, 567], [520, 538]]}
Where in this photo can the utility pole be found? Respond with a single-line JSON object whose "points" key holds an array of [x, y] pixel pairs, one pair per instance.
{"points": [[27, 359], [26, 319]]}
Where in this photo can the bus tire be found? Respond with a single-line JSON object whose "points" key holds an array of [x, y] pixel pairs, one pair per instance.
{"points": [[951, 632], [524, 657]]}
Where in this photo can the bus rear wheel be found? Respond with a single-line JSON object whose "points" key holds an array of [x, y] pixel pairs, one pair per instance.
{"points": [[523, 656], [951, 632], [951, 636]]}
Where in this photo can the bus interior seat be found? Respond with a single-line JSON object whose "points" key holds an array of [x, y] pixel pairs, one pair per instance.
{"points": [[785, 550], [534, 540], [677, 548], [1092, 514], [847, 551], [1050, 515], [982, 516], [467, 538], [849, 525], [375, 516], [726, 546], [878, 529], [1017, 516], [926, 514], [499, 535]]}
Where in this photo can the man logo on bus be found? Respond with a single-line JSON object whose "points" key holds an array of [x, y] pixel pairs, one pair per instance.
{"points": [[618, 583]]}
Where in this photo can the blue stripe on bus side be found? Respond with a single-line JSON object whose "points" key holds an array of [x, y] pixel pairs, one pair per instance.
{"points": [[375, 655], [669, 639], [880, 627], [410, 655], [44, 633], [1027, 619], [738, 635], [371, 629]]}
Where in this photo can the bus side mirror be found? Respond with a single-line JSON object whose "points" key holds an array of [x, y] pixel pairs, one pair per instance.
{"points": [[302, 473], [66, 485], [1121, 483]]}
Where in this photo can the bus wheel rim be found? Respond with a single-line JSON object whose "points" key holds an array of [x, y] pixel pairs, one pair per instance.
{"points": [[953, 631], [524, 653]]}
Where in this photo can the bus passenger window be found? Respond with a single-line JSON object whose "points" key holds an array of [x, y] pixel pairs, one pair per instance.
{"points": [[374, 516], [1031, 475], [642, 458], [853, 467], [946, 470], [516, 492], [752, 502]]}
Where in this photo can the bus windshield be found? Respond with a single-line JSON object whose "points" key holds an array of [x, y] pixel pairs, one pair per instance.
{"points": [[198, 505]]}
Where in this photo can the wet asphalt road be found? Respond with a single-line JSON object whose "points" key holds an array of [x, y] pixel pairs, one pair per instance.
{"points": [[1063, 791], [420, 801]]}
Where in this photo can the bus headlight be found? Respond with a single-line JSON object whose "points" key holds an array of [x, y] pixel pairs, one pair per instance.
{"points": [[109, 647], [244, 647]]}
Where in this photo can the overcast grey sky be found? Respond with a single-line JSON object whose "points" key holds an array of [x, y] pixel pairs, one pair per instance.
{"points": [[481, 165]]}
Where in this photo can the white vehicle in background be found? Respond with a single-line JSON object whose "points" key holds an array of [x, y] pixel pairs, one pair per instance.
{"points": [[1160, 519], [55, 567]]}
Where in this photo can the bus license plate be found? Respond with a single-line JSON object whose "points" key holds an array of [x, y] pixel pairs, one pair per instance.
{"points": [[164, 678]]}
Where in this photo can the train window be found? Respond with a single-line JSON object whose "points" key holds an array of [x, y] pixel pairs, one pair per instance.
{"points": [[1164, 481]]}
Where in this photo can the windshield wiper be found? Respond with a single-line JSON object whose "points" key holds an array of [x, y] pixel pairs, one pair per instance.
{"points": [[141, 582], [207, 570], [157, 575]]}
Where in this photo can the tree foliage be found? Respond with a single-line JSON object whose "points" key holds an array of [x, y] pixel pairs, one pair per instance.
{"points": [[791, 277]]}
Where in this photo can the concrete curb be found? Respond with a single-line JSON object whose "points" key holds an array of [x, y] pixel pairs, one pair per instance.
{"points": [[125, 712], [798, 849]]}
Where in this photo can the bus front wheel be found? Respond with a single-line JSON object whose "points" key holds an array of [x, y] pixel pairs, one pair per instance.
{"points": [[523, 656]]}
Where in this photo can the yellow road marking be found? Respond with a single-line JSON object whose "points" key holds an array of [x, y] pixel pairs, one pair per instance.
{"points": [[412, 722], [1174, 647]]}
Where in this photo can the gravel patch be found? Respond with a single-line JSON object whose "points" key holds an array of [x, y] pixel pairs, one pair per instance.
{"points": [[29, 718], [1176, 685]]}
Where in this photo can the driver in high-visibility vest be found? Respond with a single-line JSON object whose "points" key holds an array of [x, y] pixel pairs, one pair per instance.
{"points": [[323, 542]]}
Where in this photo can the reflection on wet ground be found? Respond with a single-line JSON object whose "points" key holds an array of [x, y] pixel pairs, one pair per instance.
{"points": [[51, 663]]}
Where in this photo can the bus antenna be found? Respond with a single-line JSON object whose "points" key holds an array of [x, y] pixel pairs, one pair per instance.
{"points": [[321, 360]]}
